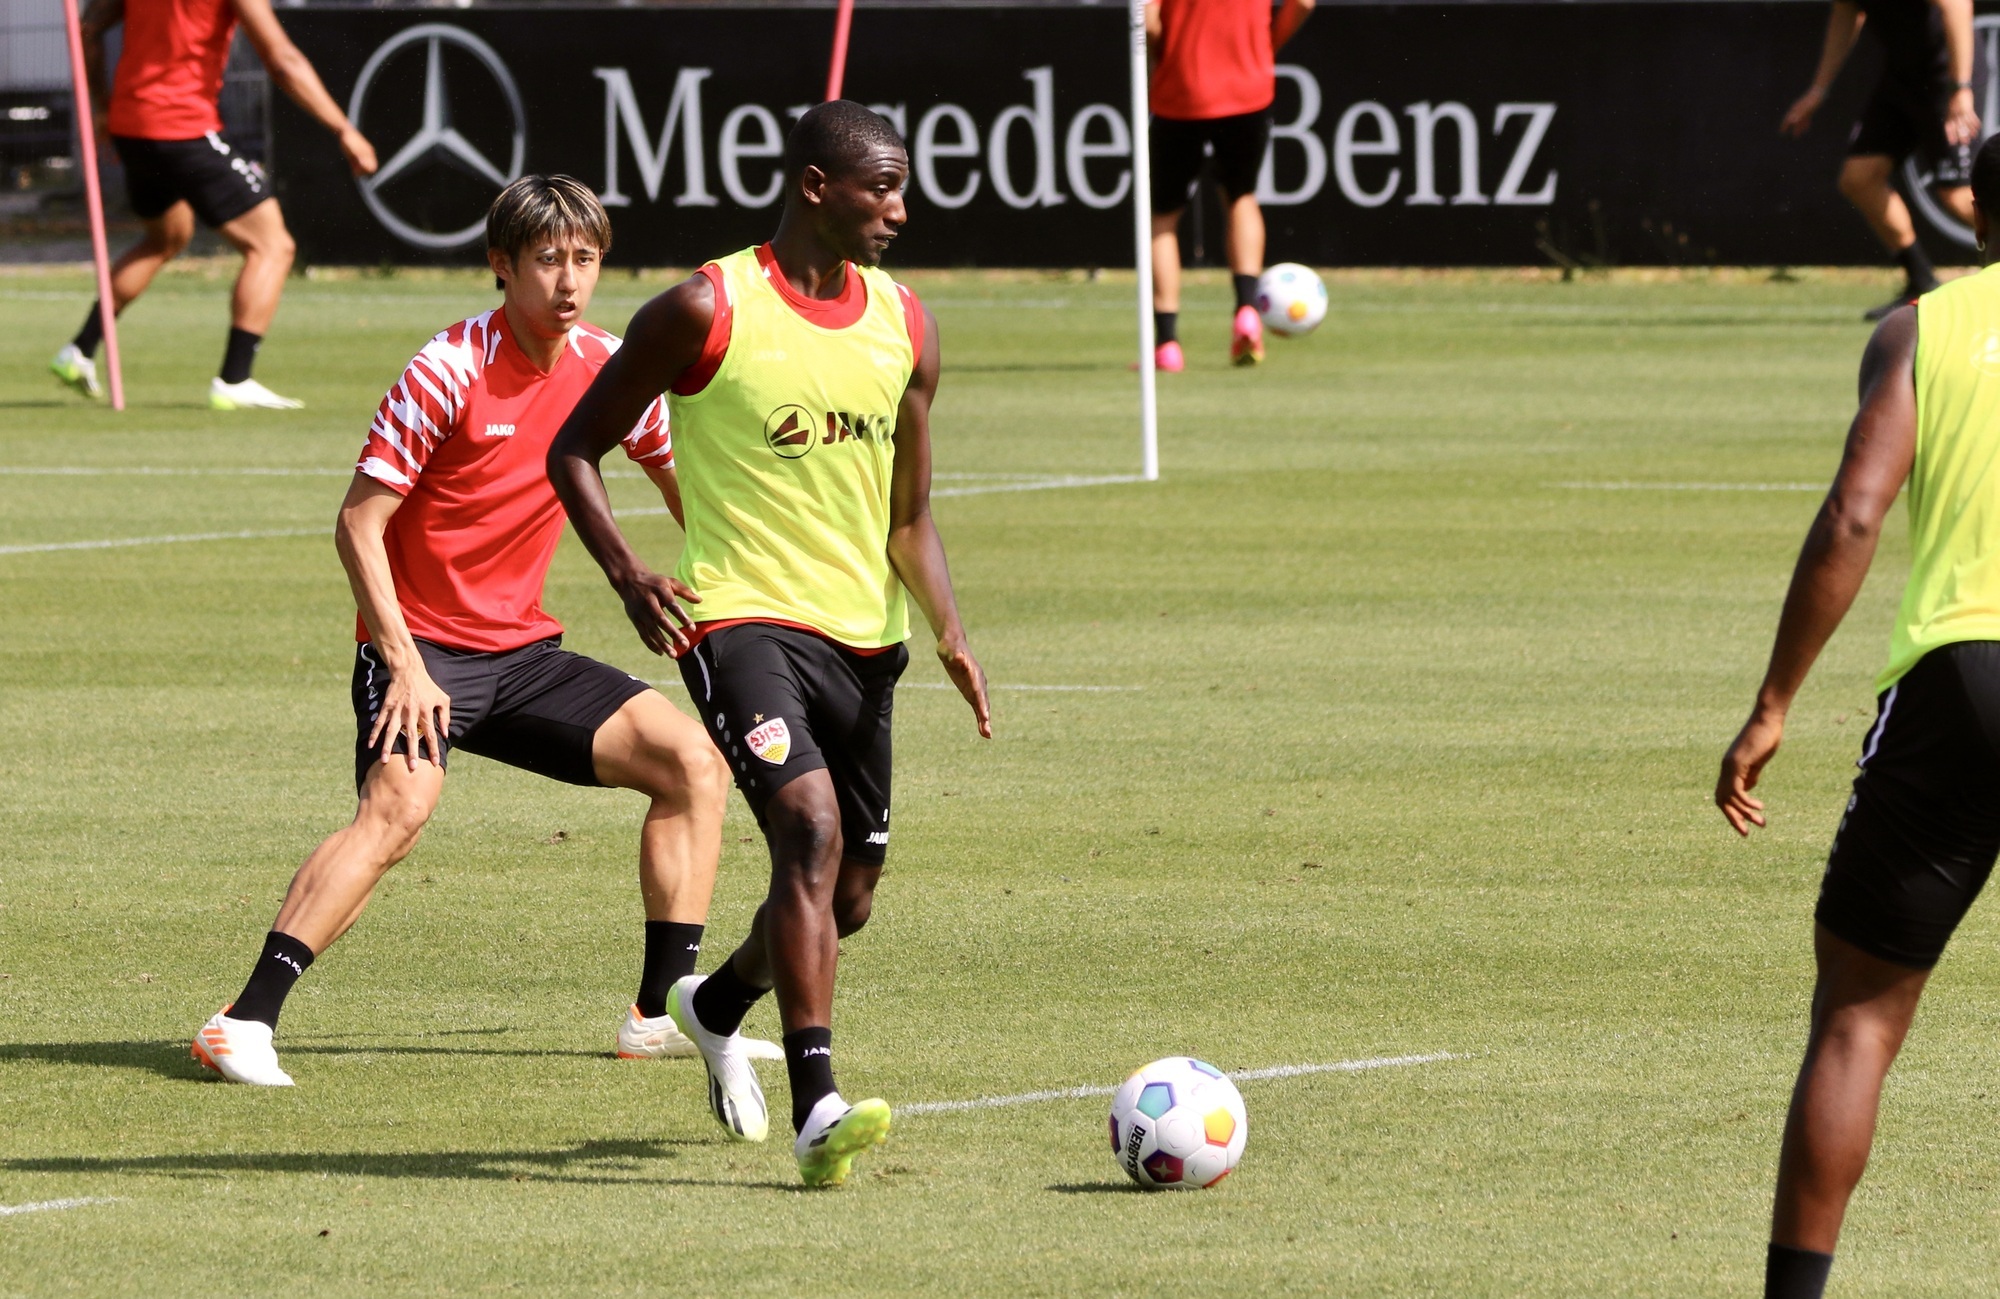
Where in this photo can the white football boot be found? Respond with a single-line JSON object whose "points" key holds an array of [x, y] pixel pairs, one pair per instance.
{"points": [[76, 370], [733, 1094], [835, 1132], [248, 395], [659, 1038], [240, 1050]]}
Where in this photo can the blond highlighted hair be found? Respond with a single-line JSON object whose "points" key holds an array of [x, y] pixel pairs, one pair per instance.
{"points": [[535, 209]]}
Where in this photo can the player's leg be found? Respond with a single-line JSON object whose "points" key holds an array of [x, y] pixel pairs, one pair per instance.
{"points": [[266, 244], [1240, 144], [650, 746], [1174, 150], [1892, 126], [326, 897], [162, 238], [1862, 1008], [1913, 851]]}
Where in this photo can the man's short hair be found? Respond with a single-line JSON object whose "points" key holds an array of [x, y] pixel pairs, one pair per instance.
{"points": [[1986, 178], [536, 208], [836, 137]]}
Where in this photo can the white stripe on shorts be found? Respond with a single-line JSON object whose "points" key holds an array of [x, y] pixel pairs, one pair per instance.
{"points": [[1874, 740]]}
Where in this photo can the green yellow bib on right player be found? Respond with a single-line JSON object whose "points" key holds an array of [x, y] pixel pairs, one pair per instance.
{"points": [[785, 459]]}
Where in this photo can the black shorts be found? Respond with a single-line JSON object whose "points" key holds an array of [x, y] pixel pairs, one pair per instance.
{"points": [[537, 708], [780, 702], [1177, 149], [1923, 826], [219, 183], [1902, 120]]}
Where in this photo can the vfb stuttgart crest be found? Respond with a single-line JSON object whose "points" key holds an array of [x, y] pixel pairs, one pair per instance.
{"points": [[771, 741]]}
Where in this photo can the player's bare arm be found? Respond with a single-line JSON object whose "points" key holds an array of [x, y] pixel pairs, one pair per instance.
{"points": [[1961, 116], [1881, 444], [915, 548], [413, 705], [293, 73], [665, 338], [1286, 22], [1843, 28], [99, 17]]}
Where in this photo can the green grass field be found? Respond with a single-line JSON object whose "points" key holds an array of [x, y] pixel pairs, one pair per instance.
{"points": [[1412, 690]]}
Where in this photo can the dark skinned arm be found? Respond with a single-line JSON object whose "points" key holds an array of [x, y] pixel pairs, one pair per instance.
{"points": [[915, 549], [665, 338], [1881, 445]]}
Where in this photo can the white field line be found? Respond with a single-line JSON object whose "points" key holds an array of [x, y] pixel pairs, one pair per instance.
{"points": [[1241, 1075], [1694, 487], [117, 542], [50, 1206], [1038, 485], [145, 471], [1008, 685]]}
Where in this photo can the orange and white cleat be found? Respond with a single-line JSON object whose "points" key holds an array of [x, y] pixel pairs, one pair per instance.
{"points": [[659, 1038], [240, 1050], [1246, 343]]}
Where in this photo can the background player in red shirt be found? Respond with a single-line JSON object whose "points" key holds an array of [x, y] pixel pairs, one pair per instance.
{"points": [[164, 122], [1213, 83], [446, 535]]}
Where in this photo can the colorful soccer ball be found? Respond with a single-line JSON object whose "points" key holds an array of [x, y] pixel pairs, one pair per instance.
{"points": [[1291, 299], [1178, 1124]]}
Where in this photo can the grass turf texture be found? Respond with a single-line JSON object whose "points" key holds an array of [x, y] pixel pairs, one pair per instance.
{"points": [[1418, 760]]}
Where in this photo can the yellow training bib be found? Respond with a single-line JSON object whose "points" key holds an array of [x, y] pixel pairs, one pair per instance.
{"points": [[785, 459], [1954, 492]]}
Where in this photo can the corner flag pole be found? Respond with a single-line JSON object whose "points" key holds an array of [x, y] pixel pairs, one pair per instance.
{"points": [[836, 69], [86, 134], [1142, 238]]}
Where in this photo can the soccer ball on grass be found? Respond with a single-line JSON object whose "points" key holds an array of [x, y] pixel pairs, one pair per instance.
{"points": [[1178, 1124], [1291, 299]]}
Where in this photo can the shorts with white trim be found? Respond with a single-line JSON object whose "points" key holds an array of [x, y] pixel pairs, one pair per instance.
{"points": [[537, 707], [1922, 828], [780, 702], [219, 183]]}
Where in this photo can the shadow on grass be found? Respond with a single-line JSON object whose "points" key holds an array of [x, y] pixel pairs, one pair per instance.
{"points": [[1096, 1188], [171, 1059]]}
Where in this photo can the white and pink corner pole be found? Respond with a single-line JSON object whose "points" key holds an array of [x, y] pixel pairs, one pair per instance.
{"points": [[1142, 237], [836, 68], [86, 134]]}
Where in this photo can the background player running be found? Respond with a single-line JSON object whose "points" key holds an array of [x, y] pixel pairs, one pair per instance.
{"points": [[1922, 104], [446, 535], [800, 378], [1213, 83], [164, 123], [1923, 826]]}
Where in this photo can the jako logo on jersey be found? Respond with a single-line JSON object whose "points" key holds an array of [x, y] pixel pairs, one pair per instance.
{"points": [[499, 430], [771, 741], [793, 431], [879, 837]]}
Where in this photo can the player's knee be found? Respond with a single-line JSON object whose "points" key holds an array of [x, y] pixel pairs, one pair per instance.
{"points": [[1858, 180], [278, 247], [851, 911], [396, 820], [808, 832], [688, 768]]}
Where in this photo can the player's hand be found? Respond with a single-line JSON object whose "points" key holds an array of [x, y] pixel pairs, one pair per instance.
{"points": [[415, 708], [1743, 764], [653, 603], [968, 676], [359, 152], [1961, 119], [1798, 118]]}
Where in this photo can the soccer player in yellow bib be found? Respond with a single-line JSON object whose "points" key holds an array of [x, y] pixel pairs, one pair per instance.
{"points": [[1923, 826], [799, 380]]}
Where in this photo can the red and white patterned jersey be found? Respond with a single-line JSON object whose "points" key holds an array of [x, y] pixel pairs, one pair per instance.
{"points": [[463, 436]]}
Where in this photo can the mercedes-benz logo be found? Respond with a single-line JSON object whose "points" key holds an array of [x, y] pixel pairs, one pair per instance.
{"points": [[437, 138], [1986, 76]]}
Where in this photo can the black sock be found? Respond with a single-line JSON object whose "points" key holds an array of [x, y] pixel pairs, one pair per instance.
{"points": [[1166, 327], [92, 333], [1790, 1273], [1916, 264], [240, 355], [809, 1062], [722, 1000], [670, 951], [285, 958], [1246, 290]]}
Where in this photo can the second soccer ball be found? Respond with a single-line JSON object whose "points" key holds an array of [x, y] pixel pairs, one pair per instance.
{"points": [[1291, 299]]}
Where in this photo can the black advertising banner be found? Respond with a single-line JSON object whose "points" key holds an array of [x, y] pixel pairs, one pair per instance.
{"points": [[1494, 134]]}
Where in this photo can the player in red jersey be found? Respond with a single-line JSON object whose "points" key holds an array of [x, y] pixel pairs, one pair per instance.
{"points": [[164, 122], [446, 535], [1213, 83]]}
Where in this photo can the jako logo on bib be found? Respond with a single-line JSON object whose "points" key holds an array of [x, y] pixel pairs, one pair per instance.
{"points": [[771, 741]]}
